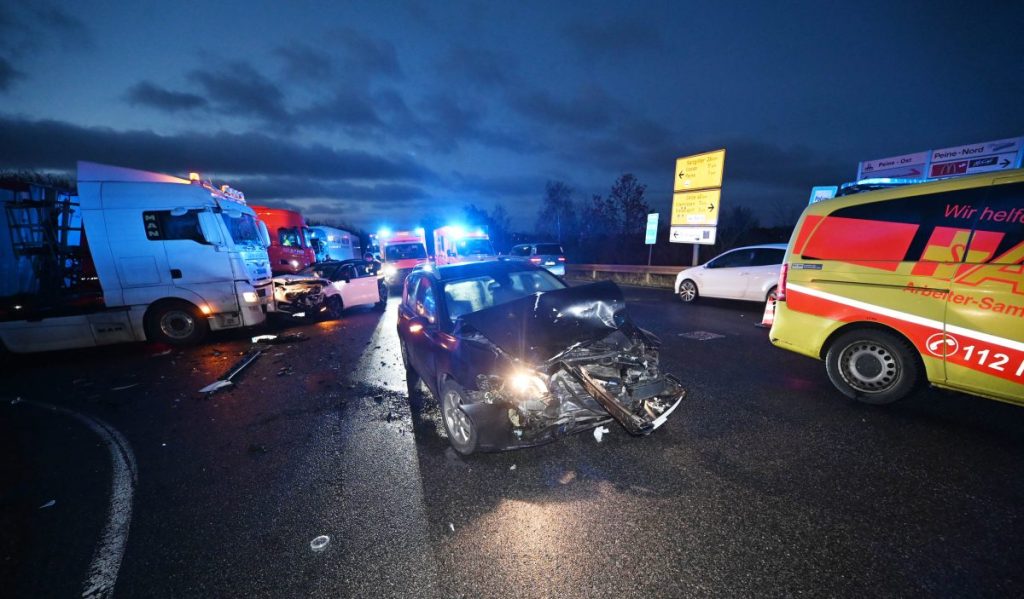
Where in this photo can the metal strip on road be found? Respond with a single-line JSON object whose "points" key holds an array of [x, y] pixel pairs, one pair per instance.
{"points": [[109, 552]]}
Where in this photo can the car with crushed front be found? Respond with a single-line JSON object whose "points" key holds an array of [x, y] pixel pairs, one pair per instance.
{"points": [[326, 289], [517, 358]]}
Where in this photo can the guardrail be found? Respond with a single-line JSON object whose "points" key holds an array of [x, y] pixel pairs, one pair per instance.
{"points": [[630, 274]]}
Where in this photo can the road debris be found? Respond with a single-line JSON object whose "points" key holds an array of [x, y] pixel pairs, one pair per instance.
{"points": [[568, 477], [49, 503], [228, 379], [260, 338], [600, 432], [320, 543], [162, 353], [512, 467], [451, 526], [123, 387]]}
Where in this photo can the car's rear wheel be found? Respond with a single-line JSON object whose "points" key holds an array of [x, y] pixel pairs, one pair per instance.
{"points": [[688, 291], [461, 432], [334, 306], [872, 366]]}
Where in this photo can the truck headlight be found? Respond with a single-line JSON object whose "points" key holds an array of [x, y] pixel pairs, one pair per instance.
{"points": [[295, 263], [250, 297]]}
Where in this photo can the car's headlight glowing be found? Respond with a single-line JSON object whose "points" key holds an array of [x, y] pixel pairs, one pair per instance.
{"points": [[389, 270], [527, 384], [295, 263], [250, 297]]}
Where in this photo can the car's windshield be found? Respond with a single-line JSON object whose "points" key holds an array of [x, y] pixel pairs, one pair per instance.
{"points": [[243, 229], [319, 270], [405, 251], [475, 246], [478, 293]]}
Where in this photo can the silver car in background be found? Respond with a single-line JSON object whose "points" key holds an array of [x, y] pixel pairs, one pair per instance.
{"points": [[546, 255]]}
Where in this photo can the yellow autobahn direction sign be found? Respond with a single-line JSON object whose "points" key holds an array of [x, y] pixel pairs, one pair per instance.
{"points": [[700, 171], [696, 208]]}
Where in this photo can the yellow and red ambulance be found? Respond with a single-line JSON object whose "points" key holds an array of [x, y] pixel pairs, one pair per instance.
{"points": [[923, 282]]}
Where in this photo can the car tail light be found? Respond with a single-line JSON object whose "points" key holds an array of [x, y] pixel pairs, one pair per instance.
{"points": [[561, 258], [415, 327], [535, 260], [780, 291]]}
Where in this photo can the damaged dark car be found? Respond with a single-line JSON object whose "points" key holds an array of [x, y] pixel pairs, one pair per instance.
{"points": [[516, 358]]}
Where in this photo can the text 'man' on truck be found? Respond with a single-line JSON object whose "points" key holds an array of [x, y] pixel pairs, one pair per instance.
{"points": [[133, 256]]}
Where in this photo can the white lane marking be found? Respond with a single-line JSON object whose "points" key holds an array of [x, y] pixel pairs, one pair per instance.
{"points": [[913, 318], [106, 558]]}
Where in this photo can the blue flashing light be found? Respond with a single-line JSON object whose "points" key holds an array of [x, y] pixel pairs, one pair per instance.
{"points": [[480, 231], [456, 231], [383, 233], [420, 231]]}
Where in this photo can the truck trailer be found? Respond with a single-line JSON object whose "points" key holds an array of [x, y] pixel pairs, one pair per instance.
{"points": [[132, 256]]}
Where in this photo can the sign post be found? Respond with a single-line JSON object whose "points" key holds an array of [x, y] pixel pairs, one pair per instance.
{"points": [[651, 236], [697, 194]]}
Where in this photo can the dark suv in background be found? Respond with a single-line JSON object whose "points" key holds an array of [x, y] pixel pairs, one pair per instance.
{"points": [[546, 255]]}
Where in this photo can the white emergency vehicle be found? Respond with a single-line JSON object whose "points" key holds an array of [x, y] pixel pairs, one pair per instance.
{"points": [[453, 244]]}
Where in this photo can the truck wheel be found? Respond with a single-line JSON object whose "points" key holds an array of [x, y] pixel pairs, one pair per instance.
{"points": [[872, 366], [176, 322], [382, 295], [461, 433], [334, 307], [688, 291]]}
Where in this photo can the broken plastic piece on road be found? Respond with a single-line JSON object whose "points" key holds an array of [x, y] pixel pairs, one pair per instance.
{"points": [[49, 503], [162, 353], [123, 387], [568, 477], [16, 400], [600, 432], [512, 467], [320, 543], [214, 386], [259, 338], [451, 526]]}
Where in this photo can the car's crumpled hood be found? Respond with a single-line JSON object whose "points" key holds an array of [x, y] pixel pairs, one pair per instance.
{"points": [[539, 327], [296, 279]]}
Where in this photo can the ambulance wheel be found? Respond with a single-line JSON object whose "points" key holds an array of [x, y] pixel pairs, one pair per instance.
{"points": [[462, 433], [688, 291], [872, 366], [176, 322]]}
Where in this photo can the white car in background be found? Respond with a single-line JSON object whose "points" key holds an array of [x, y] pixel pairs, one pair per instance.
{"points": [[326, 289], [747, 273]]}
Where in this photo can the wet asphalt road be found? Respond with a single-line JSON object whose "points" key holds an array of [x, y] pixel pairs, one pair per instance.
{"points": [[764, 482]]}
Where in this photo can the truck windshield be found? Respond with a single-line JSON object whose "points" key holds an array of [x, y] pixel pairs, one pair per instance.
{"points": [[243, 229], [475, 246], [404, 251]]}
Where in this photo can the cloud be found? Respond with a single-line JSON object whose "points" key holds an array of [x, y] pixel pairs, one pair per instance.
{"points": [[239, 89], [624, 36], [290, 188], [590, 109], [479, 66], [368, 56], [8, 75], [27, 27], [67, 28], [149, 94], [350, 109], [305, 63], [57, 145]]}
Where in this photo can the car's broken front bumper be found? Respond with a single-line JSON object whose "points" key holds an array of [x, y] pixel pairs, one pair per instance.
{"points": [[577, 402]]}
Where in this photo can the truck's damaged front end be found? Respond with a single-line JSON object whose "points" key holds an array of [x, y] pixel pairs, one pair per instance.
{"points": [[299, 295], [562, 362]]}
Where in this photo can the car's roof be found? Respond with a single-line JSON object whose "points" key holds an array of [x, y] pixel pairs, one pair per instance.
{"points": [[467, 270]]}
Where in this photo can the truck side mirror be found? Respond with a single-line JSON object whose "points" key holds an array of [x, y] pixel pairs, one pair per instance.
{"points": [[210, 226]]}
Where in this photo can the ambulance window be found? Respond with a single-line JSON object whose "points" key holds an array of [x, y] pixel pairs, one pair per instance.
{"points": [[999, 235]]}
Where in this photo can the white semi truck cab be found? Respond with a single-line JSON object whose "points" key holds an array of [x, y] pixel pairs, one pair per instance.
{"points": [[134, 256]]}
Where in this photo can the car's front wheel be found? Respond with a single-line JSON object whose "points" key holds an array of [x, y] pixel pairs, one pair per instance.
{"points": [[872, 366], [334, 306], [461, 432], [687, 291]]}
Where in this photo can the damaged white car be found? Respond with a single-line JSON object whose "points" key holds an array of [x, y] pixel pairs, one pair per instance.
{"points": [[326, 289]]}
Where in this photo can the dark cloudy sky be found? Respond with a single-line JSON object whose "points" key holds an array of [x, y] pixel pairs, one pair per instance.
{"points": [[377, 111]]}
